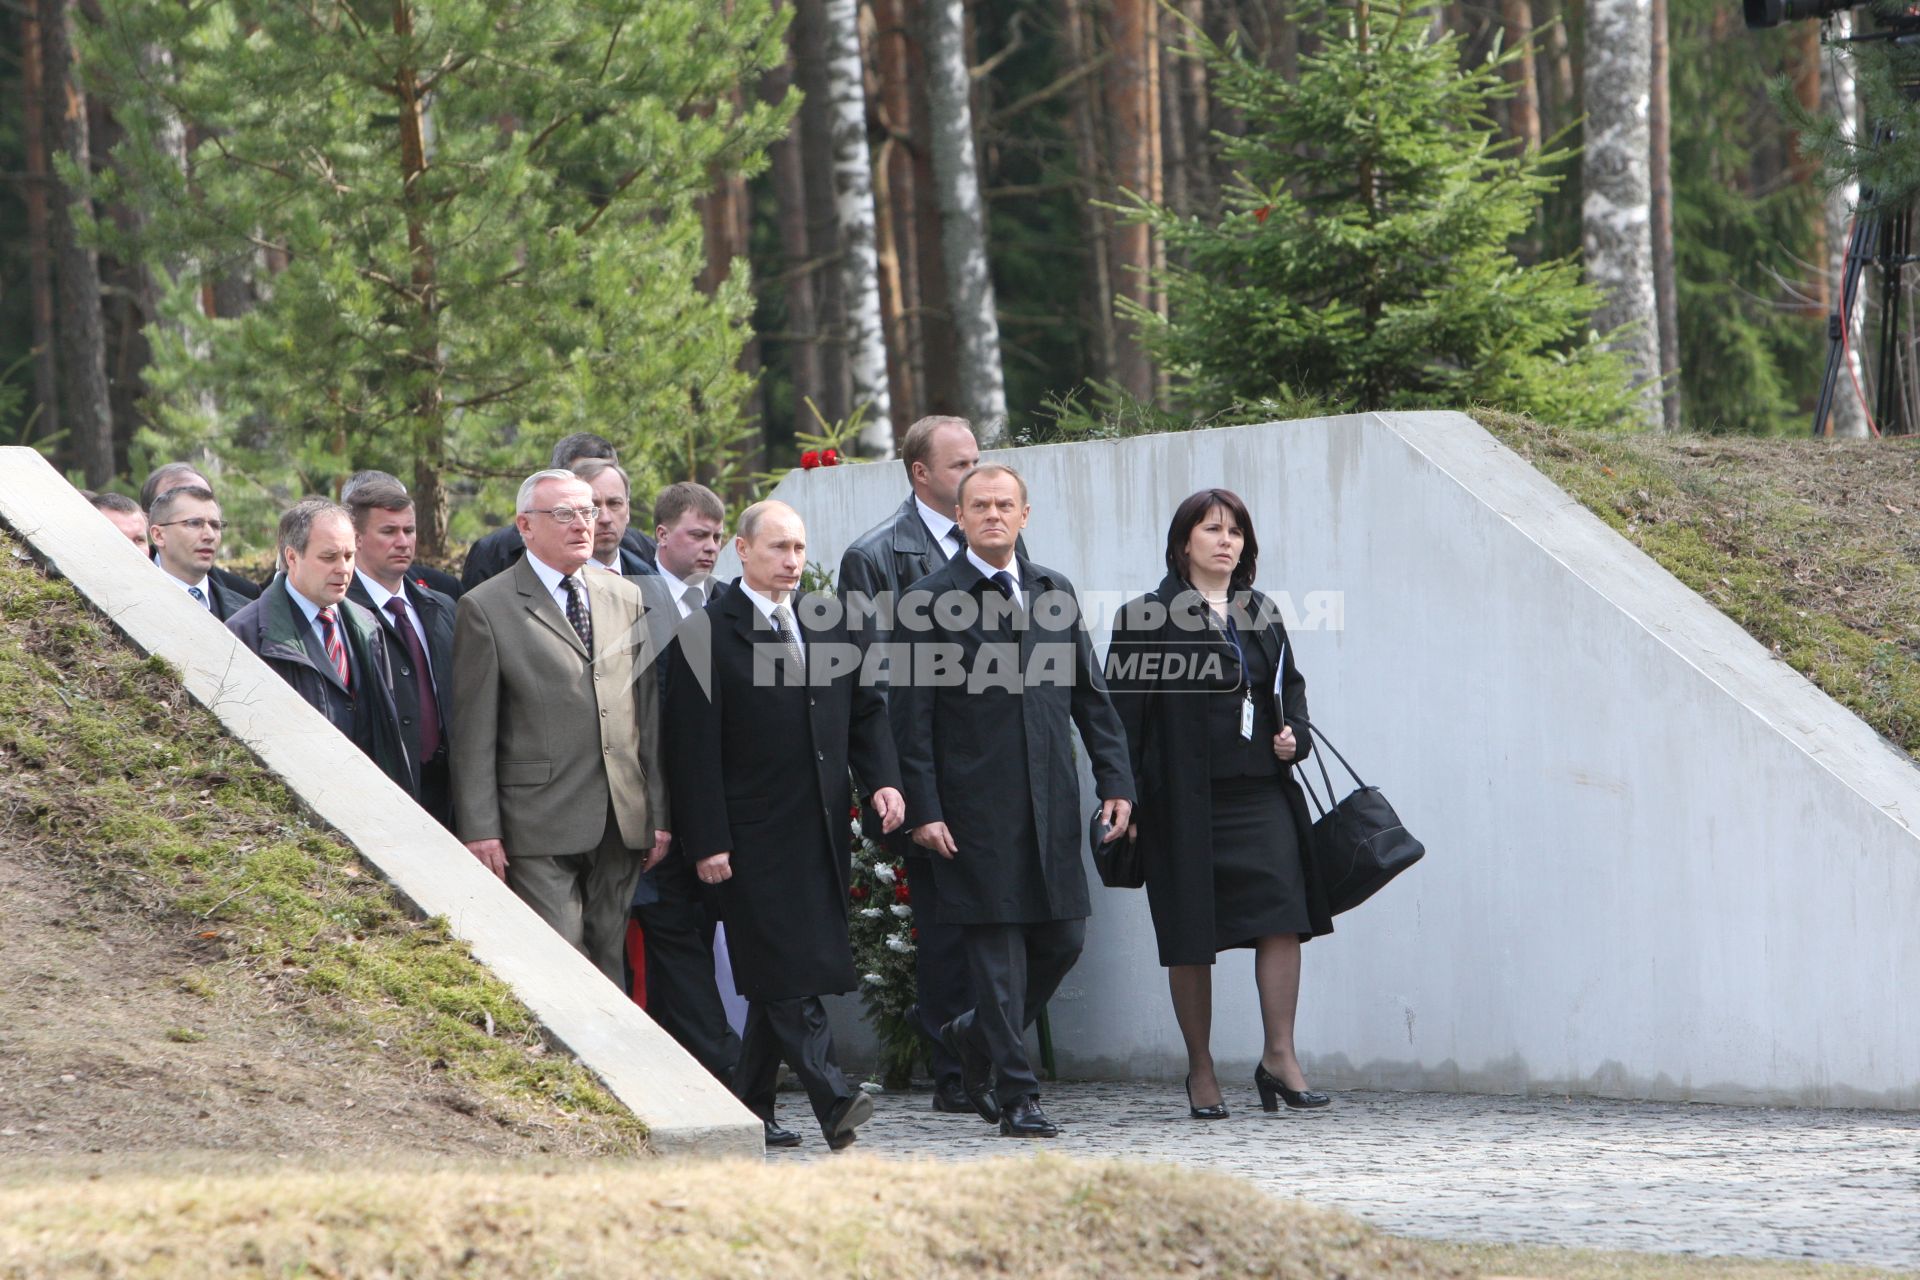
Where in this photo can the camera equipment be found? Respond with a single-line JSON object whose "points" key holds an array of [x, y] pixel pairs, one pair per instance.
{"points": [[1762, 14]]}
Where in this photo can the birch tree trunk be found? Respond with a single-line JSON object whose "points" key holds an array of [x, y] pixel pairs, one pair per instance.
{"points": [[1660, 159], [80, 328], [1848, 416], [1616, 206], [963, 222], [853, 203]]}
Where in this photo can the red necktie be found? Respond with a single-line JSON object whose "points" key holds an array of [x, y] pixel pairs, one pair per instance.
{"points": [[336, 651], [422, 678]]}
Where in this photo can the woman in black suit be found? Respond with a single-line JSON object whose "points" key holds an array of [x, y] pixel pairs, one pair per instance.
{"points": [[1222, 823]]}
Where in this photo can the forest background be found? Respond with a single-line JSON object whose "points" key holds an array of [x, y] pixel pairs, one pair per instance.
{"points": [[294, 240]]}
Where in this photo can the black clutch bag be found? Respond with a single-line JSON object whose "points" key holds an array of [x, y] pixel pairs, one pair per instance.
{"points": [[1118, 862], [1359, 844]]}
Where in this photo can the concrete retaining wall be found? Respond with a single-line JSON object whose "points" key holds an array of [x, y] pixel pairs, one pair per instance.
{"points": [[1661, 864], [686, 1111]]}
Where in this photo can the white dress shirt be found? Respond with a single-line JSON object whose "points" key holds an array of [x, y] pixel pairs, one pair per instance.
{"points": [[941, 527], [206, 596], [1012, 570], [766, 608], [551, 578], [677, 588], [312, 611], [380, 595]]}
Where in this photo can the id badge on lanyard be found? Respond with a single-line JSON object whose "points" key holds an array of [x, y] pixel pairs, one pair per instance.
{"points": [[1246, 703]]}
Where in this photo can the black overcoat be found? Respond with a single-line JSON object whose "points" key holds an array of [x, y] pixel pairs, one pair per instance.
{"points": [[760, 772], [996, 763], [1172, 762], [436, 613]]}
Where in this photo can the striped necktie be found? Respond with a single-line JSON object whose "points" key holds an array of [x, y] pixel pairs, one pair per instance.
{"points": [[336, 651]]}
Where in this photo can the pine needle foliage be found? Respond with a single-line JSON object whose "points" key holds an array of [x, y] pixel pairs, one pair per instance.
{"points": [[1362, 254]]}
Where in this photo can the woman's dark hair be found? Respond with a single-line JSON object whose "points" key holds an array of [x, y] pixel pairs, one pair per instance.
{"points": [[1188, 515]]}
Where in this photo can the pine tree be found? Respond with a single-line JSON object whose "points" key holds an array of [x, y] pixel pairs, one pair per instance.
{"points": [[472, 223], [1362, 251]]}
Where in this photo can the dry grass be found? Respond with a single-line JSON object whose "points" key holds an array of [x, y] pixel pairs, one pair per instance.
{"points": [[1042, 1217], [1812, 545]]}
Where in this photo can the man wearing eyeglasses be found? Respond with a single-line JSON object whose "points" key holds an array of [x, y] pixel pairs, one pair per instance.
{"points": [[174, 475], [185, 528], [557, 781]]}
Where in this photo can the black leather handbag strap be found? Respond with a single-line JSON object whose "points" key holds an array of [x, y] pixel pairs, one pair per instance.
{"points": [[1321, 740]]}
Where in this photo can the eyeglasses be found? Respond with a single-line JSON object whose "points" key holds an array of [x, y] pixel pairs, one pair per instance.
{"points": [[195, 523], [566, 515]]}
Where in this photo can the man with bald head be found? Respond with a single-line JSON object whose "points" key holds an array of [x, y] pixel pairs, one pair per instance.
{"points": [[557, 781], [765, 707]]}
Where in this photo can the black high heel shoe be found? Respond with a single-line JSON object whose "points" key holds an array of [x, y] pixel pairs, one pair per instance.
{"points": [[1218, 1111], [1272, 1091]]}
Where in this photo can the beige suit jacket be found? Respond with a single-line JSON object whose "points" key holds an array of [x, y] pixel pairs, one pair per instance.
{"points": [[547, 738]]}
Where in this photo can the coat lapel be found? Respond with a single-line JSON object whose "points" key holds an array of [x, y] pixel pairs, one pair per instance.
{"points": [[541, 604]]}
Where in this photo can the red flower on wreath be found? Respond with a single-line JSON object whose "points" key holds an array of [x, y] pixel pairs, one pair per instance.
{"points": [[900, 893], [853, 812], [858, 893], [810, 459], [915, 933], [829, 457]]}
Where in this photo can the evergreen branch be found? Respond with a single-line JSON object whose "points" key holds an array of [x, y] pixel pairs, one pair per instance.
{"points": [[1054, 90]]}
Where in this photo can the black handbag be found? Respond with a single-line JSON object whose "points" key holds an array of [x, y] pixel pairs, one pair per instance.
{"points": [[1118, 863], [1359, 844]]}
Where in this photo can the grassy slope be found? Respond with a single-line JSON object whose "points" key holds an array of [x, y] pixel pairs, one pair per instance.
{"points": [[105, 759], [1812, 545]]}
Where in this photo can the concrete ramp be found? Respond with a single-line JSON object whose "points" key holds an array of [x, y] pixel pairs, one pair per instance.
{"points": [[686, 1111], [1661, 863]]}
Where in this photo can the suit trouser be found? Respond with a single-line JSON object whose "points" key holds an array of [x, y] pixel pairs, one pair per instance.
{"points": [[797, 1031], [1016, 968], [436, 789], [939, 966], [584, 896], [681, 993]]}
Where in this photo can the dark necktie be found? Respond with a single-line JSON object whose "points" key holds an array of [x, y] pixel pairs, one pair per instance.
{"points": [[1004, 581], [958, 539], [422, 678], [200, 596], [336, 651], [577, 611], [694, 598]]}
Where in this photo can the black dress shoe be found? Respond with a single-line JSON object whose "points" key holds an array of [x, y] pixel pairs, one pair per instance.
{"points": [[1272, 1091], [1025, 1119], [976, 1074], [847, 1115], [950, 1096], [778, 1137], [1218, 1111]]}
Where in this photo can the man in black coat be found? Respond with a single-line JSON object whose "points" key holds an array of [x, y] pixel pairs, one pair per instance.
{"points": [[329, 649], [417, 624], [424, 575], [911, 543], [999, 664], [173, 475], [497, 551], [765, 698]]}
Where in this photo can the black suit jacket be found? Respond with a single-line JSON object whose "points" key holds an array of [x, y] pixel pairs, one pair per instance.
{"points": [[992, 756], [497, 551], [436, 613], [761, 769], [879, 565], [227, 592], [436, 580]]}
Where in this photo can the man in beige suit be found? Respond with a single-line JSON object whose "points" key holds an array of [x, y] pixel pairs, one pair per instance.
{"points": [[557, 782]]}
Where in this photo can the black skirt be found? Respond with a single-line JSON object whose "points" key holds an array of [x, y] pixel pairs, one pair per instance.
{"points": [[1259, 886]]}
